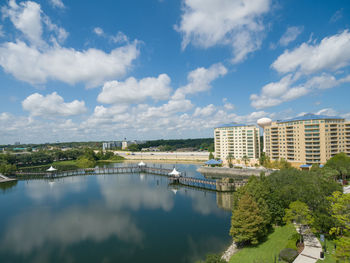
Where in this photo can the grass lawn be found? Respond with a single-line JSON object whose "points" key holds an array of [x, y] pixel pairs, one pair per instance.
{"points": [[265, 252], [329, 255]]}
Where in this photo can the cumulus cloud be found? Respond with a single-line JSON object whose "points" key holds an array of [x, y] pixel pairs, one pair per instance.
{"points": [[302, 67], [284, 90], [332, 53], [71, 66], [26, 17], [199, 80], [57, 3], [52, 105], [40, 61], [237, 24], [290, 35], [133, 90]]}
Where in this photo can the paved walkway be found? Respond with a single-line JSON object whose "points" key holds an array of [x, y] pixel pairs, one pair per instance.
{"points": [[347, 189], [312, 249]]}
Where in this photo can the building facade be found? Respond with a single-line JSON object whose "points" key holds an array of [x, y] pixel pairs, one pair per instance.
{"points": [[306, 140], [237, 140]]}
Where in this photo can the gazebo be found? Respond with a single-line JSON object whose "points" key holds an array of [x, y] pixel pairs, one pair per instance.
{"points": [[175, 173], [51, 169], [141, 164]]}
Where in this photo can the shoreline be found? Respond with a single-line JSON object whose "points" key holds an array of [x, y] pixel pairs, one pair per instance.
{"points": [[229, 252]]}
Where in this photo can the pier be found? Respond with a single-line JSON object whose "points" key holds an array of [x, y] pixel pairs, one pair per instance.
{"points": [[181, 179], [4, 179]]}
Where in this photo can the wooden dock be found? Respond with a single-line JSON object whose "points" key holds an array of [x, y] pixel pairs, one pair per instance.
{"points": [[182, 179]]}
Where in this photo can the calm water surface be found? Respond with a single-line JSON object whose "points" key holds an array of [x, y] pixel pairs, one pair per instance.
{"points": [[111, 218]]}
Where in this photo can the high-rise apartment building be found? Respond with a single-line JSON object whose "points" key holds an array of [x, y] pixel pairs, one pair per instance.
{"points": [[239, 140], [307, 139]]}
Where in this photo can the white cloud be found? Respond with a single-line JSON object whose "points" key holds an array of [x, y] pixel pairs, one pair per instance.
{"points": [[133, 90], [40, 61], [199, 80], [91, 66], [327, 111], [332, 53], [57, 3], [205, 111], [290, 35], [52, 105], [26, 17], [98, 31], [238, 24], [276, 93]]}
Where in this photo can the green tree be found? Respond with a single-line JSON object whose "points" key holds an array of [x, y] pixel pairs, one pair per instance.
{"points": [[247, 223], [341, 163], [211, 155], [299, 213], [134, 147], [342, 252], [85, 162], [340, 209]]}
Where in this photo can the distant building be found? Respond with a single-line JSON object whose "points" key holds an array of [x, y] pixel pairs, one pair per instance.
{"points": [[306, 140], [237, 140], [17, 143], [125, 145]]}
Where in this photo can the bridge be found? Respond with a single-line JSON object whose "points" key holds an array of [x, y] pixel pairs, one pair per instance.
{"points": [[181, 178]]}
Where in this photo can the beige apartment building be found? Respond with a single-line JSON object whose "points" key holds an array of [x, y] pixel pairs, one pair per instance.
{"points": [[307, 140], [239, 140]]}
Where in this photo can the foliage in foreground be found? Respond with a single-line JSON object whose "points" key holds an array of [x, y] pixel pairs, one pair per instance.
{"points": [[274, 194], [288, 255]]}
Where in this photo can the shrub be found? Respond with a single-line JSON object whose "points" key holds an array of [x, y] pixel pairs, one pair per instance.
{"points": [[288, 254]]}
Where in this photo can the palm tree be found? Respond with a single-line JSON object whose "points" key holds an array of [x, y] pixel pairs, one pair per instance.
{"points": [[245, 159], [229, 160]]}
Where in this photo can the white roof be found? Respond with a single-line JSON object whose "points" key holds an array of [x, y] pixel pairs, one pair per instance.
{"points": [[51, 169], [174, 172], [141, 164]]}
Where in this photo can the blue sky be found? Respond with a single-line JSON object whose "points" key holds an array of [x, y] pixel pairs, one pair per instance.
{"points": [[105, 70]]}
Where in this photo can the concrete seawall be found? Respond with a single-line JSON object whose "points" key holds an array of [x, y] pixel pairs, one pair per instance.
{"points": [[220, 171]]}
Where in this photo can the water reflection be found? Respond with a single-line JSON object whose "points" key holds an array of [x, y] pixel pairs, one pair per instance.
{"points": [[33, 230], [41, 190], [8, 185], [135, 192]]}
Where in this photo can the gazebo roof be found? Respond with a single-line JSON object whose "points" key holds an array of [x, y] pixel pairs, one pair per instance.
{"points": [[174, 172], [51, 169], [141, 163]]}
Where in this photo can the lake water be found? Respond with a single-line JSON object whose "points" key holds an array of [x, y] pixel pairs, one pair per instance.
{"points": [[111, 218]]}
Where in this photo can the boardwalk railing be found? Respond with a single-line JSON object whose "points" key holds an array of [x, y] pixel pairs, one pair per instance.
{"points": [[218, 185]]}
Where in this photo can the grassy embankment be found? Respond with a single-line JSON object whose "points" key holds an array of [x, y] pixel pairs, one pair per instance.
{"points": [[281, 238]]}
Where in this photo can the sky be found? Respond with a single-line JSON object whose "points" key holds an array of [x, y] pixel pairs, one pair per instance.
{"points": [[167, 69]]}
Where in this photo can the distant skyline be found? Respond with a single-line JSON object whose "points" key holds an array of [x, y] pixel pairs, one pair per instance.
{"points": [[160, 69]]}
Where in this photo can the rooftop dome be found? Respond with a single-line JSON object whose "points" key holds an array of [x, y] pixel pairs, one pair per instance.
{"points": [[263, 122]]}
